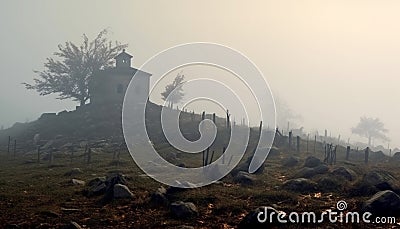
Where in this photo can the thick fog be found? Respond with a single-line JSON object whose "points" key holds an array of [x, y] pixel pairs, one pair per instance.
{"points": [[331, 62]]}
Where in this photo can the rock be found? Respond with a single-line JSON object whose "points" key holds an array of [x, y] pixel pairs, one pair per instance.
{"points": [[159, 197], [122, 192], [329, 184], [396, 156], [182, 210], [96, 187], [244, 178], [345, 173], [290, 161], [184, 227], [50, 214], [73, 172], [312, 162], [244, 166], [311, 172], [300, 185], [378, 177], [384, 203], [77, 182], [73, 225], [251, 219]]}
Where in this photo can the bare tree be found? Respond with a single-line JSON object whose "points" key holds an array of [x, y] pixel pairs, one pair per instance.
{"points": [[371, 128], [178, 93], [70, 75]]}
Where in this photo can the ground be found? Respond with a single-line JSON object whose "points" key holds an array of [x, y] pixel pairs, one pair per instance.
{"points": [[40, 195]]}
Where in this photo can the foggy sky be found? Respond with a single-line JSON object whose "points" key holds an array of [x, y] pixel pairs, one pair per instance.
{"points": [[331, 61]]}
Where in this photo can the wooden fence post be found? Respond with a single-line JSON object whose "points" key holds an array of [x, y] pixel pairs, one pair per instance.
{"points": [[89, 155], [15, 147], [366, 155], [290, 140], [228, 122], [347, 153], [8, 147], [298, 144], [38, 154], [51, 156], [204, 158], [308, 139], [315, 143], [212, 155]]}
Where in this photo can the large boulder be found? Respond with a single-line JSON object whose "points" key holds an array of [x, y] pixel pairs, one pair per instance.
{"points": [[300, 185], [345, 173], [311, 172], [122, 192], [329, 184], [312, 162], [373, 182], [77, 182], [159, 197], [96, 186], [290, 161], [378, 177], [384, 203], [244, 166], [396, 156], [183, 210], [244, 178], [73, 172]]}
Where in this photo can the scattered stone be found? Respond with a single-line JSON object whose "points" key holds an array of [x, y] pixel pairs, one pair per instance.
{"points": [[70, 210], [179, 186], [384, 203], [345, 173], [96, 187], [73, 225], [184, 227], [159, 197], [378, 177], [300, 185], [244, 178], [329, 184], [312, 162], [73, 172], [50, 214], [78, 182], [396, 156], [311, 172], [251, 219], [244, 166], [290, 161], [122, 192], [182, 210]]}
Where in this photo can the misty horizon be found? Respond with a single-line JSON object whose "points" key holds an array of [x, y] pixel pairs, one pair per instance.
{"points": [[329, 70]]}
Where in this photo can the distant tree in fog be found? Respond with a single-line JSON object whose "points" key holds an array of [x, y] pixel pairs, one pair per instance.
{"points": [[70, 74], [285, 114], [178, 94], [371, 128]]}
